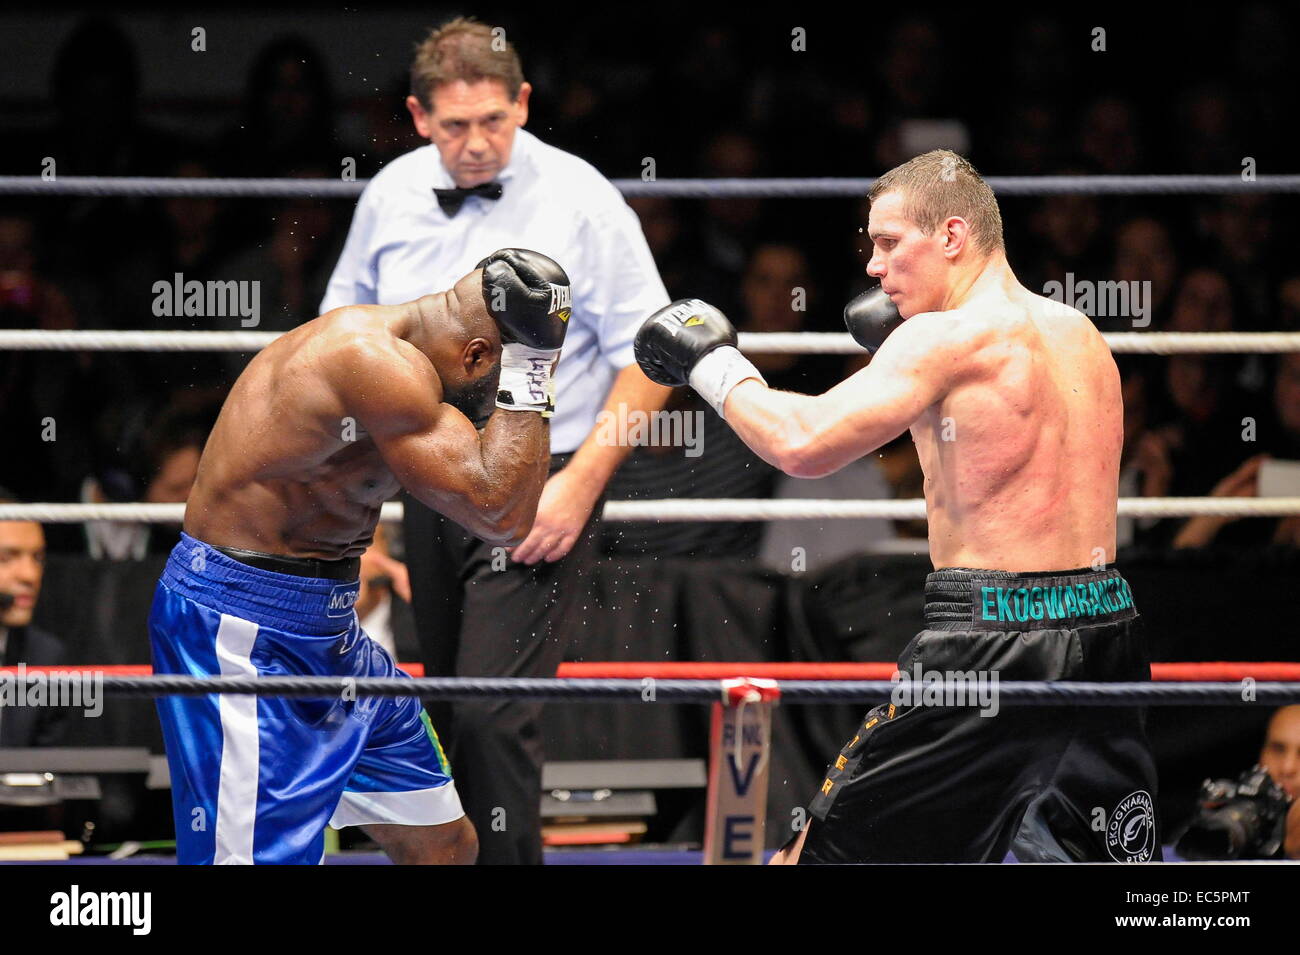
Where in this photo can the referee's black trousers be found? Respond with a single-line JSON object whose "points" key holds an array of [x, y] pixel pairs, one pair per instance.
{"points": [[478, 613]]}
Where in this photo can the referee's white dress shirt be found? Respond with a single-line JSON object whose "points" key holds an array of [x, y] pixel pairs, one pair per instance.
{"points": [[402, 246]]}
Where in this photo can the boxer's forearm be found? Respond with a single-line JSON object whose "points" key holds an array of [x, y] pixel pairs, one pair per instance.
{"points": [[488, 483], [514, 452], [810, 436], [598, 458], [804, 436], [779, 426]]}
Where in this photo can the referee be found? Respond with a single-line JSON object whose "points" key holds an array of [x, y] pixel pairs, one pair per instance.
{"points": [[485, 183]]}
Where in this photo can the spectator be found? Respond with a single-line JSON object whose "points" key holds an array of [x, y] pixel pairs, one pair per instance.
{"points": [[1144, 462], [1281, 436], [777, 293], [1288, 305], [1207, 140], [1197, 419], [1280, 755], [1144, 252], [27, 298], [911, 67], [190, 239], [22, 567], [39, 391], [147, 457], [729, 225], [387, 125], [1204, 303], [186, 241], [1241, 235], [293, 264], [1068, 233], [676, 251], [1029, 139], [1264, 93], [97, 131], [1108, 136], [287, 122], [1040, 59], [288, 113]]}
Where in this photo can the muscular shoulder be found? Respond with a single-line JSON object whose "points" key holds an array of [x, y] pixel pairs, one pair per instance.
{"points": [[1058, 318], [947, 340], [960, 346], [986, 331], [364, 362]]}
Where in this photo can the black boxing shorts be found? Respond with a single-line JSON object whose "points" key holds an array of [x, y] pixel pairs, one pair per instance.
{"points": [[937, 776]]}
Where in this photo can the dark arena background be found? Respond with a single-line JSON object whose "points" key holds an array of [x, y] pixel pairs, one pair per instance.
{"points": [[1145, 168]]}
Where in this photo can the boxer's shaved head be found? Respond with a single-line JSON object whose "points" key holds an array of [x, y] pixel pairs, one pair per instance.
{"points": [[468, 313], [464, 346], [940, 184]]}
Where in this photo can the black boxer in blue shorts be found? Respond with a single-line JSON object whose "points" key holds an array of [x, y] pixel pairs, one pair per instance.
{"points": [[324, 426]]}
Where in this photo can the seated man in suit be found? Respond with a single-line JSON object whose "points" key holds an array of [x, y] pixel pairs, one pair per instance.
{"points": [[22, 566]]}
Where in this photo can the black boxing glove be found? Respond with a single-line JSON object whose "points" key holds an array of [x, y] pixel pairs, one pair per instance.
{"points": [[691, 341], [870, 318], [529, 296]]}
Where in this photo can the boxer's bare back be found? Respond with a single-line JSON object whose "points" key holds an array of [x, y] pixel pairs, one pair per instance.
{"points": [[1021, 452]]}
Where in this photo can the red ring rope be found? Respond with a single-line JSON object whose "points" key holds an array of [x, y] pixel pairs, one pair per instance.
{"points": [[1218, 672]]}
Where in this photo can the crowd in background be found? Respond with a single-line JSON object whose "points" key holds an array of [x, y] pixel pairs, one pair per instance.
{"points": [[721, 101]]}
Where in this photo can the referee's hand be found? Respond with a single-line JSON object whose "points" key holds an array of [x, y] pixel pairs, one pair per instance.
{"points": [[562, 513]]}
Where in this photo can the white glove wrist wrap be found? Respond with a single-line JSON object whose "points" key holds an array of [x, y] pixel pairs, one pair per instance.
{"points": [[526, 383], [718, 372]]}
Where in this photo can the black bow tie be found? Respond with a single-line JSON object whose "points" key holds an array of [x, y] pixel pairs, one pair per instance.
{"points": [[450, 200]]}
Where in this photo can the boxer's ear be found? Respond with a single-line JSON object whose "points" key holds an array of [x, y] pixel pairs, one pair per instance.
{"points": [[956, 233], [478, 355]]}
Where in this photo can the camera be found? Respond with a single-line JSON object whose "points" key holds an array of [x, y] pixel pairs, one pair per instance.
{"points": [[1242, 819]]}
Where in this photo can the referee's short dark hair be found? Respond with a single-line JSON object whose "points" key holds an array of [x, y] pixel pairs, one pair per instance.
{"points": [[464, 49]]}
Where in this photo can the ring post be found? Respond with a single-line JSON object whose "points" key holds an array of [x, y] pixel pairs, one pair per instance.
{"points": [[740, 746]]}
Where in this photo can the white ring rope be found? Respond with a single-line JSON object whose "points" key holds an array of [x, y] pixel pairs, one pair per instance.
{"points": [[67, 340], [1132, 343], [706, 509], [756, 343], [779, 188]]}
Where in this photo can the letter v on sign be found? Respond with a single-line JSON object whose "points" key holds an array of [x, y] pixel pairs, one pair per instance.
{"points": [[742, 785]]}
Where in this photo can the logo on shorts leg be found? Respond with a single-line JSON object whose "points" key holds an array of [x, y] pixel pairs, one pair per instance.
{"points": [[1131, 832], [341, 600]]}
